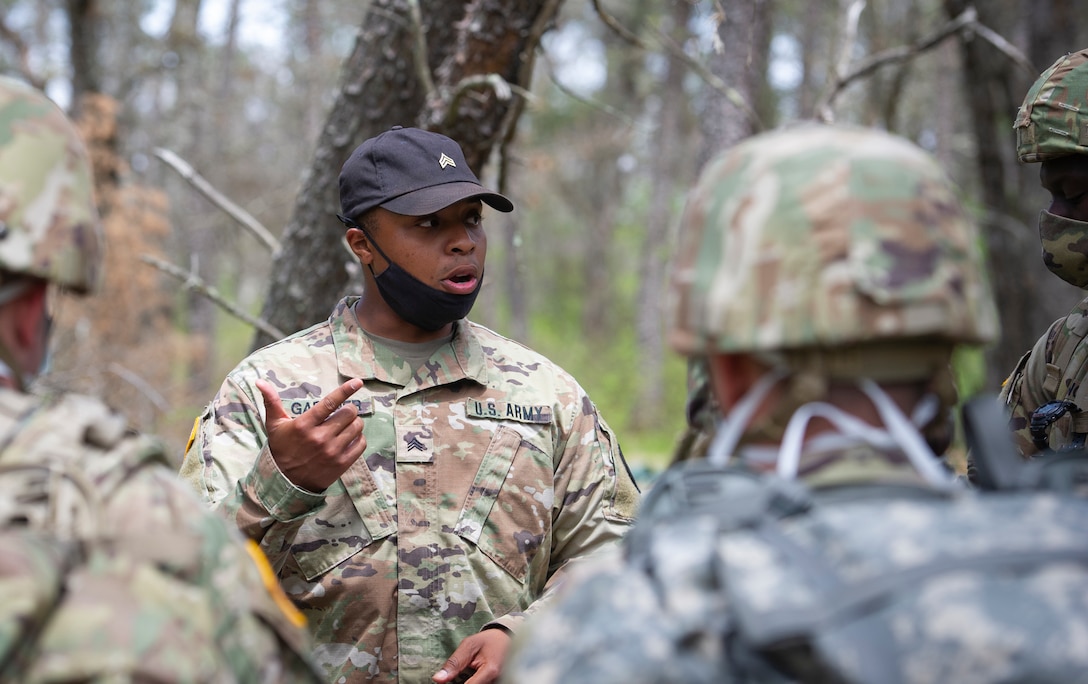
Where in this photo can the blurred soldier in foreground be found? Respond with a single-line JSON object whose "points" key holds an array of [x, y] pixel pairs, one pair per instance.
{"points": [[109, 568], [827, 273], [1046, 394]]}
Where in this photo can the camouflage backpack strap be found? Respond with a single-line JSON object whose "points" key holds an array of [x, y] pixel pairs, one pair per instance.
{"points": [[1061, 422], [65, 456], [33, 564], [735, 496], [32, 573], [767, 644]]}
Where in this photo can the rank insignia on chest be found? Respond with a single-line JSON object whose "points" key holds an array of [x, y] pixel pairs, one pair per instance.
{"points": [[503, 410]]}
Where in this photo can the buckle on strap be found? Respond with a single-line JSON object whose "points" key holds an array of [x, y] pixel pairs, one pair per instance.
{"points": [[1044, 416]]}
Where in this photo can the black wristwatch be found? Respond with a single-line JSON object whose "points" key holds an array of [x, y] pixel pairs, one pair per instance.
{"points": [[1044, 416]]}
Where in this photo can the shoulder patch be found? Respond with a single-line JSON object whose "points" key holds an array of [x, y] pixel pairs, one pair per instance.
{"points": [[503, 410], [272, 584], [192, 435]]}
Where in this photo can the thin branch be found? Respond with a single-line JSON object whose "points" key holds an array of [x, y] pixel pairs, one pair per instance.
{"points": [[711, 79], [998, 41], [419, 50], [23, 52], [142, 385], [621, 30], [509, 124], [186, 171], [503, 90], [849, 36], [191, 281], [595, 104], [966, 22]]}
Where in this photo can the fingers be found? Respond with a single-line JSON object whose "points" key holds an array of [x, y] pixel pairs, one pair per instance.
{"points": [[478, 659], [319, 413], [273, 407], [334, 400], [453, 665], [317, 447]]}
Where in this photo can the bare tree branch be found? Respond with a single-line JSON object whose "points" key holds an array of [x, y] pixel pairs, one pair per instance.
{"points": [[732, 94], [419, 50], [186, 171], [966, 22], [595, 104], [849, 36], [142, 385], [192, 281], [503, 90], [998, 41], [23, 52], [621, 30]]}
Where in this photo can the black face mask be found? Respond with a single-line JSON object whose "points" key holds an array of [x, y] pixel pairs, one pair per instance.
{"points": [[418, 303]]}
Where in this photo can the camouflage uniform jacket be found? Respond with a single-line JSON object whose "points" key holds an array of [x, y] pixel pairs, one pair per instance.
{"points": [[486, 471], [690, 607], [109, 570], [1053, 370]]}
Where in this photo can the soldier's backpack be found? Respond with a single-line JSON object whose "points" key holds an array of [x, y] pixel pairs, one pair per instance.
{"points": [[1060, 422], [881, 584], [107, 574]]}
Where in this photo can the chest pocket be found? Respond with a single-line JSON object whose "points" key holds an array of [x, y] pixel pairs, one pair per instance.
{"points": [[507, 513], [344, 526]]}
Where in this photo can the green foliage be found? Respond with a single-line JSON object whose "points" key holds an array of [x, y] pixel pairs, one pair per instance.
{"points": [[969, 370], [610, 376]]}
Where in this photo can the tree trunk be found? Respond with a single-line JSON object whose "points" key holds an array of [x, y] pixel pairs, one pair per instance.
{"points": [[667, 172], [744, 34], [83, 24], [1028, 297], [379, 88]]}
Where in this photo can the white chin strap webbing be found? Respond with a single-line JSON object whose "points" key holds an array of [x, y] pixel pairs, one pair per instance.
{"points": [[731, 427], [899, 431]]}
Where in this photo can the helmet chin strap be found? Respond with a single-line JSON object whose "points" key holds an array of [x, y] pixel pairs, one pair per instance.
{"points": [[732, 426], [899, 431]]}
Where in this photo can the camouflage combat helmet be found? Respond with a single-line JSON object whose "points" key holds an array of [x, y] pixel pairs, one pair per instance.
{"points": [[49, 226], [822, 237], [1053, 120]]}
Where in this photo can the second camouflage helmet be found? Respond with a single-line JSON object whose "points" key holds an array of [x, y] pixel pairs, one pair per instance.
{"points": [[49, 226], [824, 237], [1053, 120]]}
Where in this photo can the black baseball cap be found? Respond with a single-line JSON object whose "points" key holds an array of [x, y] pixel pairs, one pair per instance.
{"points": [[410, 171]]}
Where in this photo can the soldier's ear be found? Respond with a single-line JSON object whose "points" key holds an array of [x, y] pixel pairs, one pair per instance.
{"points": [[359, 244], [731, 376]]}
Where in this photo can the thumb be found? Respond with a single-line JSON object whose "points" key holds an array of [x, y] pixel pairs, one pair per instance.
{"points": [[273, 407]]}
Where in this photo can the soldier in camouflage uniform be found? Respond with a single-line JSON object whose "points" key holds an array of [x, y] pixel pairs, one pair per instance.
{"points": [[826, 273], [109, 570], [418, 481], [1046, 394]]}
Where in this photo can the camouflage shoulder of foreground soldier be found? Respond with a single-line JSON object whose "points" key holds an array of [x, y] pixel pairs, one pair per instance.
{"points": [[122, 569]]}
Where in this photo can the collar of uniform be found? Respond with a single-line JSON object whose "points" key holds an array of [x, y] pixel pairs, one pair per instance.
{"points": [[356, 358]]}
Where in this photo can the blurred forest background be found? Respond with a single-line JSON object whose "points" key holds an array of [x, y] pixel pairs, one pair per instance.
{"points": [[218, 128]]}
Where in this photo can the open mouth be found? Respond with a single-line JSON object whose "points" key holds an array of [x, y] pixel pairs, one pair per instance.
{"points": [[461, 282]]}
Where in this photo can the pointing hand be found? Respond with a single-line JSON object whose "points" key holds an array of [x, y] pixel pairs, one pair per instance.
{"points": [[316, 448]]}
